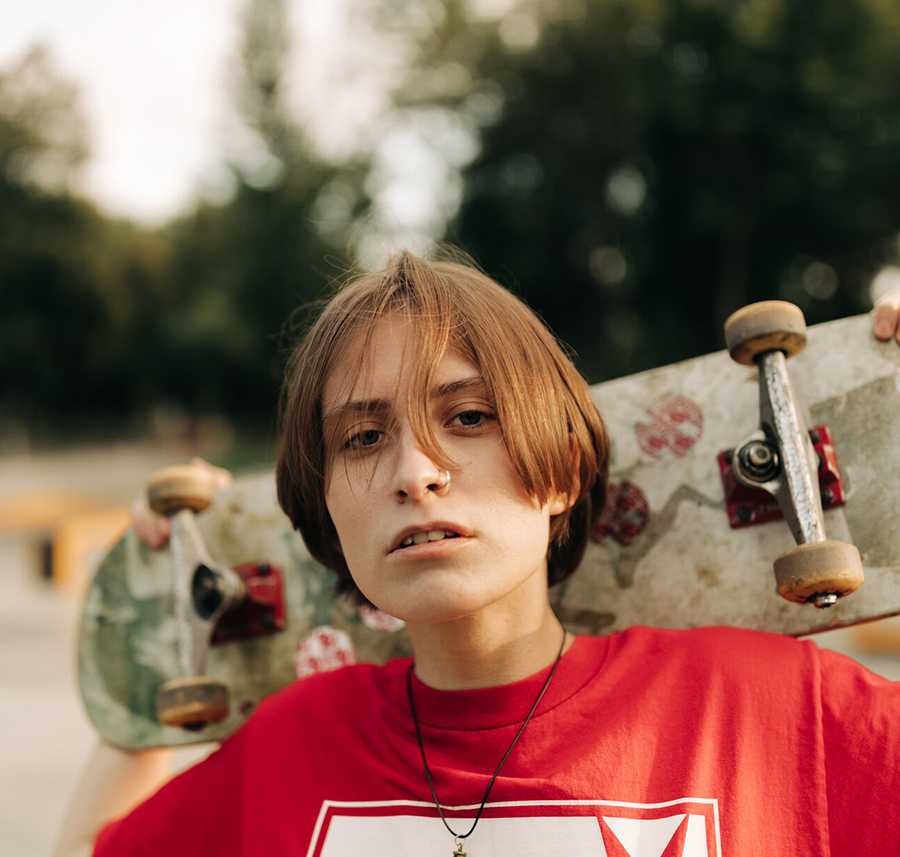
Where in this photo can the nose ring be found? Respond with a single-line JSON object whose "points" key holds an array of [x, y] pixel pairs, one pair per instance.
{"points": [[444, 486]]}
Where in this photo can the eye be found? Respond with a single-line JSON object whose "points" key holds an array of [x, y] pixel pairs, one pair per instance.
{"points": [[472, 418], [363, 440]]}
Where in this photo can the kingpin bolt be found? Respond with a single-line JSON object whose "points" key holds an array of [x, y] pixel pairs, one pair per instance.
{"points": [[758, 461]]}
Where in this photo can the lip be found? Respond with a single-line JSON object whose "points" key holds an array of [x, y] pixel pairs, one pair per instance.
{"points": [[440, 548], [406, 532]]}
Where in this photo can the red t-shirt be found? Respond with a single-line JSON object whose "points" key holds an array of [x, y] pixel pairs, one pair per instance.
{"points": [[706, 743]]}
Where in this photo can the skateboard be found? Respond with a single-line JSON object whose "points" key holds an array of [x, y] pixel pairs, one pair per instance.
{"points": [[747, 487]]}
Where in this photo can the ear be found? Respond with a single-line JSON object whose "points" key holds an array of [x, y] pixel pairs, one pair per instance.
{"points": [[560, 502]]}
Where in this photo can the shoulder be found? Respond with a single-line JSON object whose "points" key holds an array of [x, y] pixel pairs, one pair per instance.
{"points": [[723, 651], [752, 658], [714, 640], [326, 696]]}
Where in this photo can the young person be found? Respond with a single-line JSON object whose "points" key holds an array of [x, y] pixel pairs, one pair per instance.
{"points": [[442, 455]]}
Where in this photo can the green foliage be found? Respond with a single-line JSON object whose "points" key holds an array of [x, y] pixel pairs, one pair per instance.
{"points": [[43, 136], [657, 164], [78, 293], [241, 270], [101, 320], [643, 168], [70, 280]]}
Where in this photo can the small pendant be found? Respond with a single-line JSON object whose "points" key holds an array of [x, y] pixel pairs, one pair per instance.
{"points": [[459, 851]]}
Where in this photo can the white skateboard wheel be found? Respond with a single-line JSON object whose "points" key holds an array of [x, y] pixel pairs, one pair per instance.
{"points": [[182, 487], [765, 326], [822, 568], [192, 703]]}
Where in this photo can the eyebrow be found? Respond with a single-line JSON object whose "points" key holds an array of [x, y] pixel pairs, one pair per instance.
{"points": [[369, 406]]}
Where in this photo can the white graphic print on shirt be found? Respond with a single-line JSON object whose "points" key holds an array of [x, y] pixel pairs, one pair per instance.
{"points": [[685, 827]]}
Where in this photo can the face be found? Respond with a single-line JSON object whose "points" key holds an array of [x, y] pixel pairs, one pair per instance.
{"points": [[503, 533]]}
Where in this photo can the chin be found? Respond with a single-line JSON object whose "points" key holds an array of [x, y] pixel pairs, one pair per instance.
{"points": [[437, 602]]}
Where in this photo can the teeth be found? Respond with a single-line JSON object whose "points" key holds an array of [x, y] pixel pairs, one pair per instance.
{"points": [[430, 536]]}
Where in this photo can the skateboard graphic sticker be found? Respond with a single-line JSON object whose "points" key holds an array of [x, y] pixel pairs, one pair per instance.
{"points": [[675, 424]]}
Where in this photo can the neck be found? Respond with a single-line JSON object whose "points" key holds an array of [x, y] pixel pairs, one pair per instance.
{"points": [[501, 643]]}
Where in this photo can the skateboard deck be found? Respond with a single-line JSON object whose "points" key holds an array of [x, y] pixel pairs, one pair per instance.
{"points": [[665, 554]]}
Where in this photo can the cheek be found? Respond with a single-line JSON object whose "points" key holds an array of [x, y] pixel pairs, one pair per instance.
{"points": [[526, 532], [342, 494], [349, 514], [518, 522], [339, 509], [513, 496]]}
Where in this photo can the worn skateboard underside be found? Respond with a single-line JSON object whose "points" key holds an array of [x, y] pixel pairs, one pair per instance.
{"points": [[687, 567], [684, 566], [129, 639]]}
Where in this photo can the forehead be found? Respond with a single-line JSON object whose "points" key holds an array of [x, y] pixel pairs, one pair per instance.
{"points": [[382, 369]]}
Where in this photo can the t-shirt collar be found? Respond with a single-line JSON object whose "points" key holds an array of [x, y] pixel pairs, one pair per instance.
{"points": [[501, 705]]}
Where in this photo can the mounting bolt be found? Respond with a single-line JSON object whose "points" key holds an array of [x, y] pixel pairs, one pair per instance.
{"points": [[825, 599]]}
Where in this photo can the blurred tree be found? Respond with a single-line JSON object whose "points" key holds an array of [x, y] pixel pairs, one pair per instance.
{"points": [[67, 309], [242, 268], [645, 167], [102, 320], [635, 169], [43, 134]]}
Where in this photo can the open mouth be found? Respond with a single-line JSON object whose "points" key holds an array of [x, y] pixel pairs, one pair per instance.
{"points": [[425, 538]]}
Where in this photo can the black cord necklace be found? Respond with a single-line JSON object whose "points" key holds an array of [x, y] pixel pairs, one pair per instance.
{"points": [[458, 851]]}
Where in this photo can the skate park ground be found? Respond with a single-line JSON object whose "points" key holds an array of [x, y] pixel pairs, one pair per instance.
{"points": [[45, 737]]}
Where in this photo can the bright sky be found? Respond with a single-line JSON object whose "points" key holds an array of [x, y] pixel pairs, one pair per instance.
{"points": [[154, 79]]}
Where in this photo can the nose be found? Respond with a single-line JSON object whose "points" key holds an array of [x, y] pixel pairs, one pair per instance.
{"points": [[416, 475]]}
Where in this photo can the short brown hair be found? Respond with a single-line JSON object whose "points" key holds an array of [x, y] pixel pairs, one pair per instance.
{"points": [[543, 404]]}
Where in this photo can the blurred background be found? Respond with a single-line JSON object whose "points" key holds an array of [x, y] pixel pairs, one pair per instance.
{"points": [[180, 182]]}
